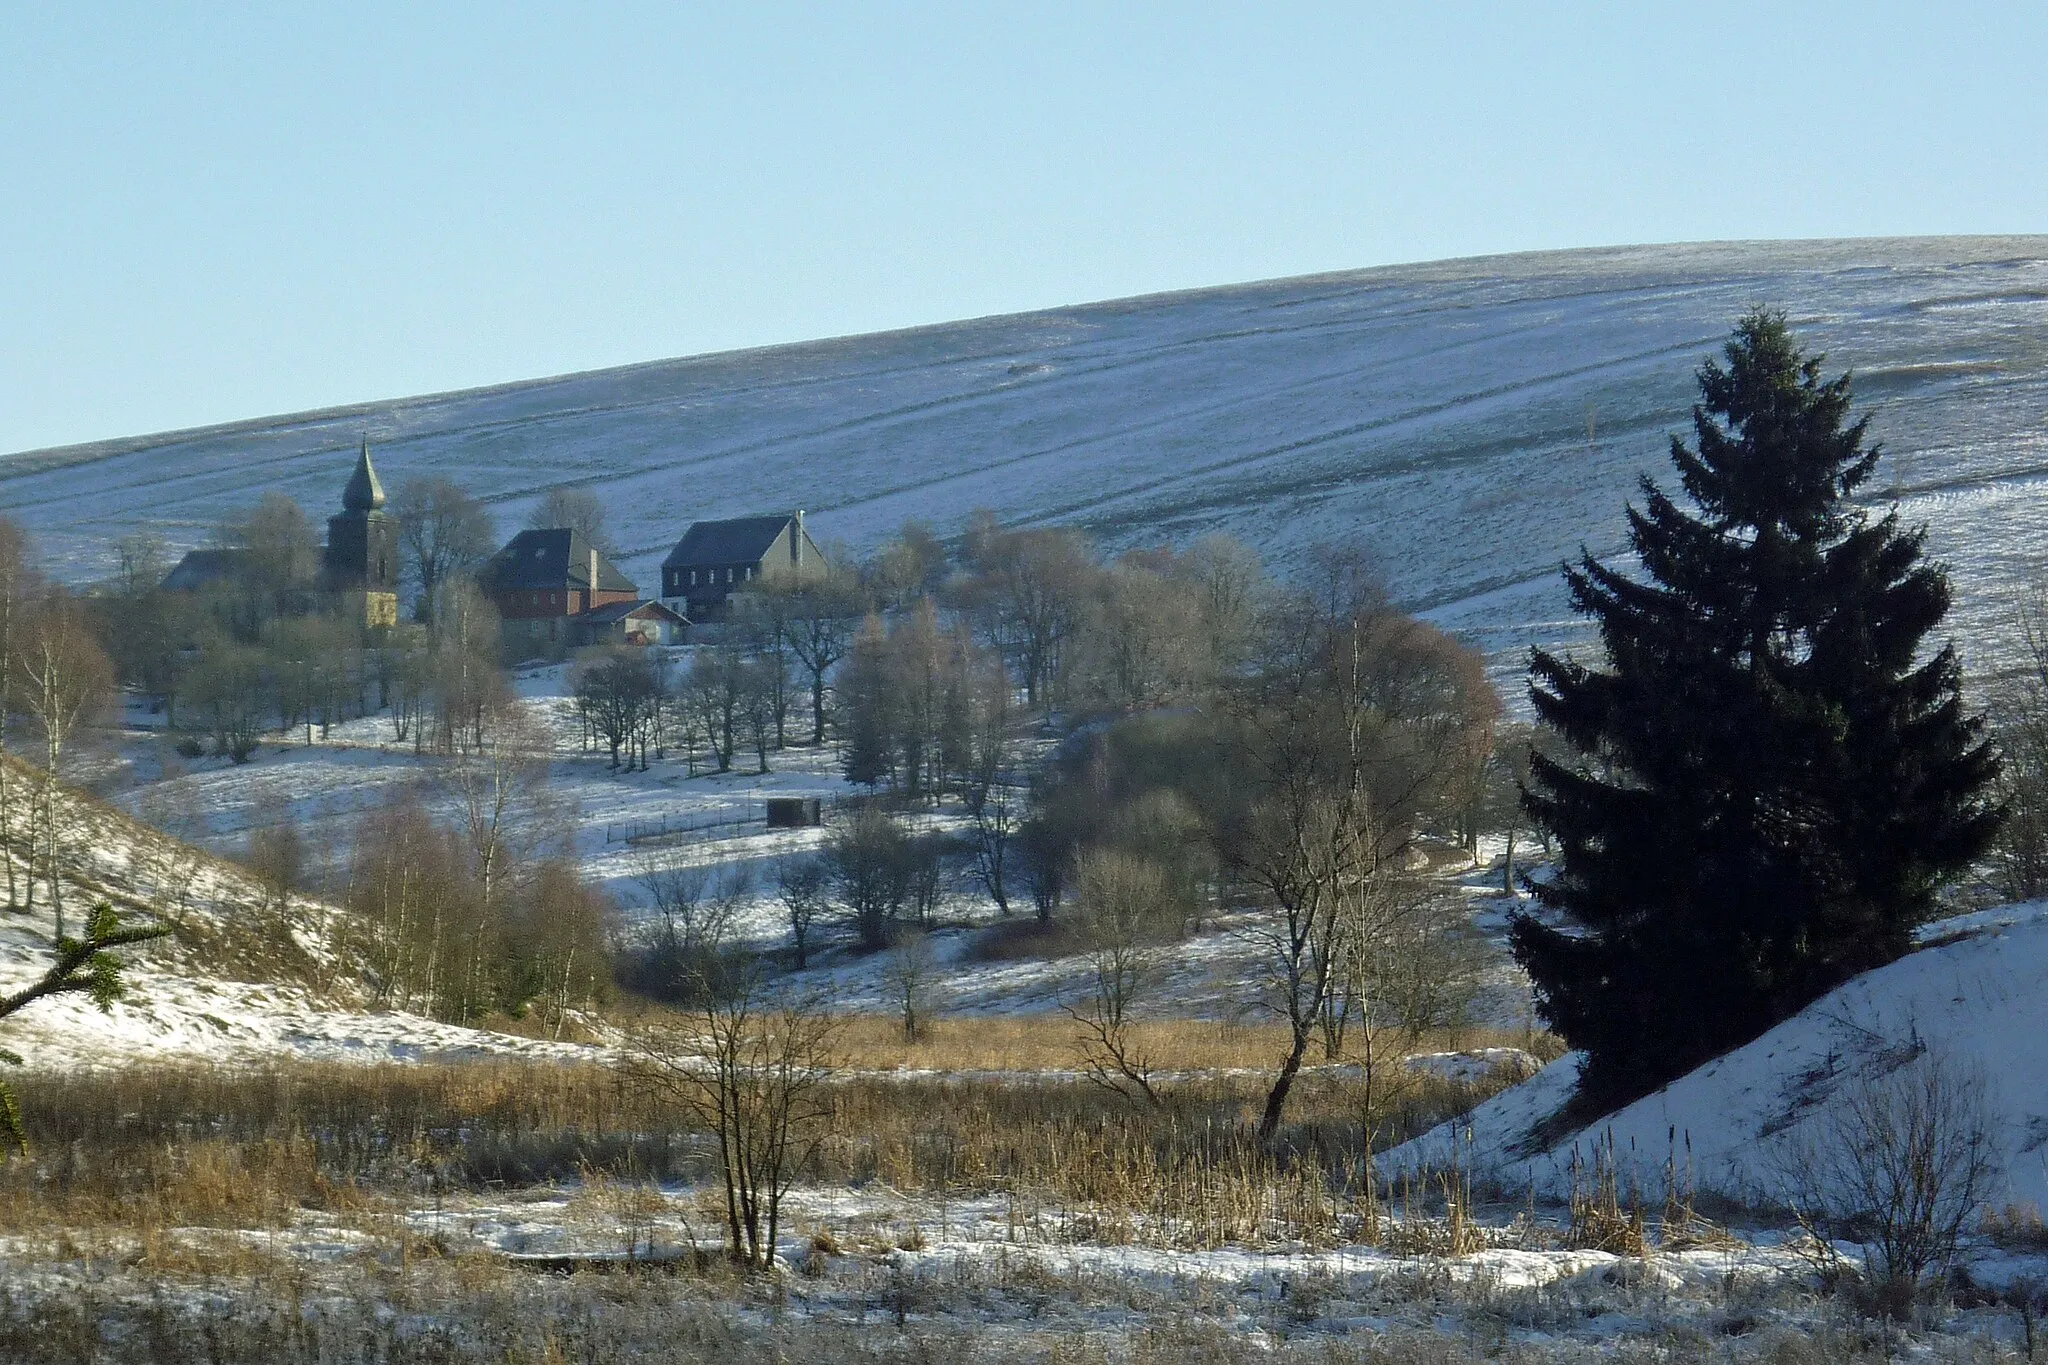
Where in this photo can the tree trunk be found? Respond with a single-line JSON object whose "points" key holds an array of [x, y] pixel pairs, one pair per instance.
{"points": [[1276, 1098]]}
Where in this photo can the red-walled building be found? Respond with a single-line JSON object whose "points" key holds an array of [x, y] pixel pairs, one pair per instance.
{"points": [[543, 581]]}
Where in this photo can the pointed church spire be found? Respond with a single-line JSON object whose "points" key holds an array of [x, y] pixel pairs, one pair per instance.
{"points": [[364, 493]]}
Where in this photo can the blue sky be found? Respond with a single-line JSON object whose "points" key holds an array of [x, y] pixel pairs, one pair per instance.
{"points": [[209, 213]]}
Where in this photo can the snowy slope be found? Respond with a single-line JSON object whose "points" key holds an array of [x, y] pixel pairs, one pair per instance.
{"points": [[1978, 997], [1468, 422], [204, 995]]}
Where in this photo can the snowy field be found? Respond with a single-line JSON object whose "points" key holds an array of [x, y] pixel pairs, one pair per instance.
{"points": [[616, 824], [875, 1275], [609, 820], [1469, 423]]}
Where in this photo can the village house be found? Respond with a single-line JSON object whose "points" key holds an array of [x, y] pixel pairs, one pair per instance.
{"points": [[715, 559], [554, 590]]}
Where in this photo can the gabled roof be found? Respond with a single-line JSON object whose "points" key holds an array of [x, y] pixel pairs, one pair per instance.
{"points": [[619, 611], [204, 568], [714, 544], [554, 558]]}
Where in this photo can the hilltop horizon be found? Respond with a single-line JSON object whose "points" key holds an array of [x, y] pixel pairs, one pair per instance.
{"points": [[1467, 422], [365, 406]]}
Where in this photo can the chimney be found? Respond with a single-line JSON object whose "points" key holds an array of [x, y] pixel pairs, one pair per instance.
{"points": [[796, 541], [591, 600]]}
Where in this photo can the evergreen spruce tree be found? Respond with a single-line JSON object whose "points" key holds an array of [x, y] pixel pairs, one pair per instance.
{"points": [[1772, 781]]}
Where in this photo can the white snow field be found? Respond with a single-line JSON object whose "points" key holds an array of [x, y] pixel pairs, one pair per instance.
{"points": [[1467, 422], [1976, 998]]}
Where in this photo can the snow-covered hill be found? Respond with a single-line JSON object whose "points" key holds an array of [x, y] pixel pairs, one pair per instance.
{"points": [[1469, 422], [1976, 998], [238, 983]]}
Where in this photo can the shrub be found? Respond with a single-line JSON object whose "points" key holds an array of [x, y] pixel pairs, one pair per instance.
{"points": [[1897, 1161]]}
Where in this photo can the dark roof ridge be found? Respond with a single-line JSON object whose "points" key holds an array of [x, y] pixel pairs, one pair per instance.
{"points": [[728, 540]]}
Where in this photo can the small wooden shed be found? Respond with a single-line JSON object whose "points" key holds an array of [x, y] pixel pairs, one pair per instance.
{"points": [[795, 812]]}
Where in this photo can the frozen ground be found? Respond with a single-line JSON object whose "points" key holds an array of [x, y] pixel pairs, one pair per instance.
{"points": [[1975, 997], [871, 1274], [1469, 422]]}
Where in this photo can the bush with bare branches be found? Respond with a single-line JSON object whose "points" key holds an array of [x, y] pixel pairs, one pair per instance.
{"points": [[751, 1067], [1898, 1160]]}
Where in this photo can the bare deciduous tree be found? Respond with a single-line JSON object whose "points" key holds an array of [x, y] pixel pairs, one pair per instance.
{"points": [[715, 700], [64, 682], [277, 859], [1027, 593], [466, 684], [750, 1067], [579, 509], [802, 883], [1358, 725], [818, 621], [19, 589], [1124, 902], [911, 974], [869, 858], [616, 692], [507, 812], [988, 782], [445, 534]]}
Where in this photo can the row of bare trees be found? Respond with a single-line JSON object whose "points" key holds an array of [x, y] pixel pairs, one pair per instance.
{"points": [[55, 681], [1145, 629], [480, 910]]}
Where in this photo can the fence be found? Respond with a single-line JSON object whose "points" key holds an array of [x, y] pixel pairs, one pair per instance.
{"points": [[633, 831]]}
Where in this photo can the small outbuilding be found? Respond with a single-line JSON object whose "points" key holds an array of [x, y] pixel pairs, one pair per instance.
{"points": [[631, 623], [795, 812]]}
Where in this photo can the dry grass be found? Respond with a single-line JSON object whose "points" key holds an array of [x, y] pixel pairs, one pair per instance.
{"points": [[457, 1314], [201, 1147], [1026, 940], [2016, 1227], [1049, 1043]]}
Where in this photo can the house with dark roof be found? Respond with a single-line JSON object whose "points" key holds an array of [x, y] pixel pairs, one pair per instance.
{"points": [[207, 568], [715, 559], [544, 581]]}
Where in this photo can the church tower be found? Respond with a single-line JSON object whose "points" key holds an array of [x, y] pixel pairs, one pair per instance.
{"points": [[362, 550]]}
